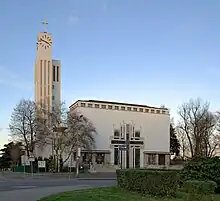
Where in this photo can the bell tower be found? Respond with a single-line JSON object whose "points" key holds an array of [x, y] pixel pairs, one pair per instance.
{"points": [[47, 80], [47, 72]]}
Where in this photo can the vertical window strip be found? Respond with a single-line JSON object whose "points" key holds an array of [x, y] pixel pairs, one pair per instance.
{"points": [[57, 73], [54, 73], [41, 69], [45, 72]]}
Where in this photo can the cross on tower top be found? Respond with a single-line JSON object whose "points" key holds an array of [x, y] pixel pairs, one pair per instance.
{"points": [[45, 23]]}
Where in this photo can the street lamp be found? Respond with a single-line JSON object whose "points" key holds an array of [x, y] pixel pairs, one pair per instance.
{"points": [[78, 151]]}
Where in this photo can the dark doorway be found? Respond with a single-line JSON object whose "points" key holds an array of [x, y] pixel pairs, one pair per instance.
{"points": [[161, 159], [137, 157], [116, 156]]}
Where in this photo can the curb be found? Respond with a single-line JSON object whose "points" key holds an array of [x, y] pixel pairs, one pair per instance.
{"points": [[96, 179]]}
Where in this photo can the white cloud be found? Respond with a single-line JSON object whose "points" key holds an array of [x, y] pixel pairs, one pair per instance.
{"points": [[73, 18]]}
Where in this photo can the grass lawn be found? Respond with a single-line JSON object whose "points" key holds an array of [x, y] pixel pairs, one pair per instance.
{"points": [[112, 194]]}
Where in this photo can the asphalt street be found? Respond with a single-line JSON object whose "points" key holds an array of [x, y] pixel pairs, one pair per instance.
{"points": [[16, 184], [13, 188]]}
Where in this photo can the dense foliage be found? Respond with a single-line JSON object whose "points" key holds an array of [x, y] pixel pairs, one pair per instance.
{"points": [[10, 155], [174, 142], [200, 187], [202, 169], [154, 182]]}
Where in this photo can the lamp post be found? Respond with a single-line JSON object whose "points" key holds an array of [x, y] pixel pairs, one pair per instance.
{"points": [[78, 151]]}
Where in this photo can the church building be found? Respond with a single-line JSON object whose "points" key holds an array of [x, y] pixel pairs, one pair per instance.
{"points": [[129, 135]]}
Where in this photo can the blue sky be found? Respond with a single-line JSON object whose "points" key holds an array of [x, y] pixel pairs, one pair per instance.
{"points": [[141, 51]]}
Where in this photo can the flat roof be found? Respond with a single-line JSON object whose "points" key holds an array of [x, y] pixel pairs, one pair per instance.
{"points": [[116, 103]]}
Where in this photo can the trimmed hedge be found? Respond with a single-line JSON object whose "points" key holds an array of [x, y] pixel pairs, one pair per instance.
{"points": [[200, 187], [154, 182], [204, 169]]}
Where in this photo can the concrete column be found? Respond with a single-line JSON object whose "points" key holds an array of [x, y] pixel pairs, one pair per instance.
{"points": [[131, 157], [142, 159], [112, 157], [124, 159], [145, 160], [167, 160], [157, 159], [107, 159], [93, 158]]}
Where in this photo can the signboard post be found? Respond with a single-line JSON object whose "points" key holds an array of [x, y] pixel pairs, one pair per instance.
{"points": [[77, 161], [42, 164], [71, 164], [31, 160]]}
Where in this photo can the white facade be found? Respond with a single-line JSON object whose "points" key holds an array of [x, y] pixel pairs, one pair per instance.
{"points": [[117, 124]]}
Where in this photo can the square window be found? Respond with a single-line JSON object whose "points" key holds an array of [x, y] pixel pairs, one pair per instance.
{"points": [[137, 134], [135, 109], [146, 110], [89, 105], [110, 107], [158, 111], [116, 133], [152, 111], [141, 110], [122, 108], [116, 108], [96, 105], [129, 108], [103, 106], [163, 112], [83, 105]]}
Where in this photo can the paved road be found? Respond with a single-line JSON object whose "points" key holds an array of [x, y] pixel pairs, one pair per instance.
{"points": [[15, 184], [32, 189]]}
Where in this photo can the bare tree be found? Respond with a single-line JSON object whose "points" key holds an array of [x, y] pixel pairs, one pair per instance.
{"points": [[184, 145], [197, 126], [23, 125], [65, 131], [80, 133]]}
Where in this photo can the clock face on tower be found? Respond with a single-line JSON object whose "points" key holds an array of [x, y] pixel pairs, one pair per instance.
{"points": [[44, 41]]}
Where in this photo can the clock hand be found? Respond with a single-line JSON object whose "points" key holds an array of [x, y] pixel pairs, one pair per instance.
{"points": [[45, 41]]}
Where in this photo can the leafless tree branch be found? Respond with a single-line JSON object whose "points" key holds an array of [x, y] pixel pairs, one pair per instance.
{"points": [[198, 125]]}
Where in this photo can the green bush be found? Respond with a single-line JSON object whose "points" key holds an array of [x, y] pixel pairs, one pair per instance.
{"points": [[154, 182], [202, 169], [200, 187]]}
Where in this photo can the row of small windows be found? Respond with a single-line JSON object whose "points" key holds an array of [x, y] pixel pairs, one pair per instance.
{"points": [[135, 109]]}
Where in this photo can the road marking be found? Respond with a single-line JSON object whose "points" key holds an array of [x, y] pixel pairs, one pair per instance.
{"points": [[24, 186]]}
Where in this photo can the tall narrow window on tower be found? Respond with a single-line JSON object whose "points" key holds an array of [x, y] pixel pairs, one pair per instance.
{"points": [[45, 72], [57, 73], [54, 73], [48, 72], [41, 69]]}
